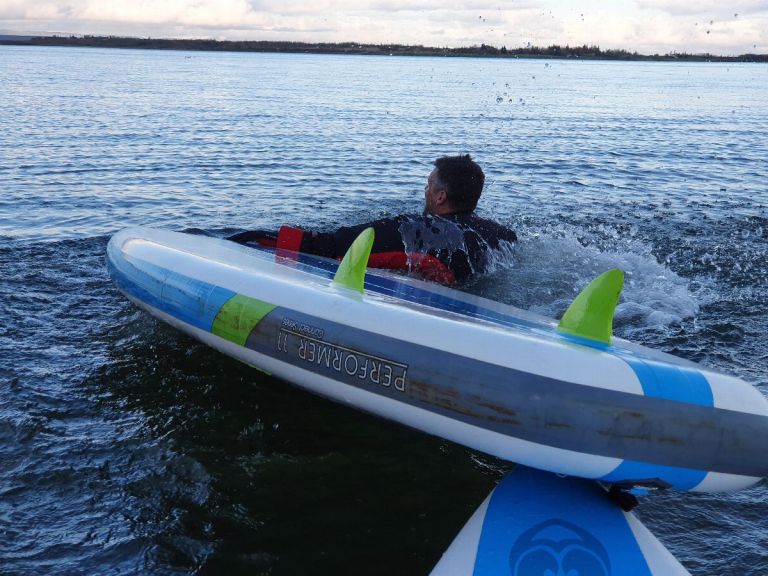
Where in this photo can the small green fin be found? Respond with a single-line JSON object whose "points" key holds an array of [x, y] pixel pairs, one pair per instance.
{"points": [[351, 272], [590, 315]]}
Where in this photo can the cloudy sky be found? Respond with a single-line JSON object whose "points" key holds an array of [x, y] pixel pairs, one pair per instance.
{"points": [[648, 26]]}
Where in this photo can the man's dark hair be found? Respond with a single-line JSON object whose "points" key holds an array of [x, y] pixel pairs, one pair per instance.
{"points": [[462, 180]]}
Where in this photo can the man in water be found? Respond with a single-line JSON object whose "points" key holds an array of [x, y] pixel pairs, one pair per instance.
{"points": [[448, 243]]}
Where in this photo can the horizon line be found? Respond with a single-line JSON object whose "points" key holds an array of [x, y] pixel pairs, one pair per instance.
{"points": [[482, 50]]}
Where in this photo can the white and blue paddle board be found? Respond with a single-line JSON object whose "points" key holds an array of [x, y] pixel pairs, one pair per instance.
{"points": [[479, 373]]}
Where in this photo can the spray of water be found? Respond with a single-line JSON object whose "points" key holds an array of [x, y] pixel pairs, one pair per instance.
{"points": [[543, 273]]}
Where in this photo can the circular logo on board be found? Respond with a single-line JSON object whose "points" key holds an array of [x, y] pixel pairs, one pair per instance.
{"points": [[558, 548]]}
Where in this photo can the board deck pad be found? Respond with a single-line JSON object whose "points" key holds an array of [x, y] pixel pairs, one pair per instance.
{"points": [[539, 524]]}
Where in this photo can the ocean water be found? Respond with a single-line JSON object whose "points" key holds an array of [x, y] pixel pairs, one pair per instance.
{"points": [[127, 448]]}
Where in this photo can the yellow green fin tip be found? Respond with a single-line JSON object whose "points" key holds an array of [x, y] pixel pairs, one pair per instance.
{"points": [[351, 272], [590, 315]]}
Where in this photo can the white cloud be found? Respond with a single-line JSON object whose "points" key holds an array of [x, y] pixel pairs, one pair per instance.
{"points": [[643, 25]]}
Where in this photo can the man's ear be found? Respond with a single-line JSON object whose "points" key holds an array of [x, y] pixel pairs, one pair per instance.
{"points": [[442, 198]]}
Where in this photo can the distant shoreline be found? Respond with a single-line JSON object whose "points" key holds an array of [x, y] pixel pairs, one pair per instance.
{"points": [[584, 52]]}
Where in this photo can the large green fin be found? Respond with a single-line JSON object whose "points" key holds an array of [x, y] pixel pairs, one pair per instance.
{"points": [[590, 315], [351, 272]]}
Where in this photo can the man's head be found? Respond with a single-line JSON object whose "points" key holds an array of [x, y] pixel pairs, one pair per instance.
{"points": [[454, 186]]}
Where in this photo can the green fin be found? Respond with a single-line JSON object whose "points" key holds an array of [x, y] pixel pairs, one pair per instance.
{"points": [[351, 272], [590, 315]]}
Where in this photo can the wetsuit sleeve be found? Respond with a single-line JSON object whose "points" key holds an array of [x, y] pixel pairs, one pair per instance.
{"points": [[297, 240], [386, 236], [493, 232], [335, 244]]}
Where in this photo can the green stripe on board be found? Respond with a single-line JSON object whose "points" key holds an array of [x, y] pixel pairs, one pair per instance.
{"points": [[238, 316]]}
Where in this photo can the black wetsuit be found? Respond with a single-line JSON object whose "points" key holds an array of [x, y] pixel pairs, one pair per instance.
{"points": [[448, 248]]}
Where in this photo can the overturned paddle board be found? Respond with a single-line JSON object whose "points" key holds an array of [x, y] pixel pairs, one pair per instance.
{"points": [[569, 400]]}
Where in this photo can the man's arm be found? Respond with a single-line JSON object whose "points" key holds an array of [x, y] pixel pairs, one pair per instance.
{"points": [[335, 244]]}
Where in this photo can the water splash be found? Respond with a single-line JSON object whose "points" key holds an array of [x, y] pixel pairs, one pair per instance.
{"points": [[544, 273]]}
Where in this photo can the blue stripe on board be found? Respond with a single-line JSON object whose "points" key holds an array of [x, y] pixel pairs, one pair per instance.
{"points": [[671, 382], [676, 383], [188, 299], [538, 523]]}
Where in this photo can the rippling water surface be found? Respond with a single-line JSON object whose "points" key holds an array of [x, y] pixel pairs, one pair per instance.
{"points": [[128, 448]]}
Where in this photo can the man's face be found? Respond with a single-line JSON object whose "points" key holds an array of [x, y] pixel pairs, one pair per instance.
{"points": [[434, 194]]}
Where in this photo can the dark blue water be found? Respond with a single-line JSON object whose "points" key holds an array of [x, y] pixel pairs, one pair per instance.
{"points": [[127, 448]]}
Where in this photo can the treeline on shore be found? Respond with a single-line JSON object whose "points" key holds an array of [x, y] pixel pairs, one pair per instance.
{"points": [[484, 50]]}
